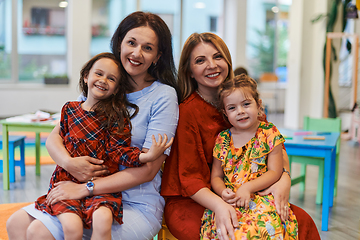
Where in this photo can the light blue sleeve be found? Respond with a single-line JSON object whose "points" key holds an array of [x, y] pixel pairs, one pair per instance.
{"points": [[164, 115], [81, 98]]}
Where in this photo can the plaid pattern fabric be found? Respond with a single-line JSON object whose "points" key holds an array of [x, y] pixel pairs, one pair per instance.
{"points": [[83, 135]]}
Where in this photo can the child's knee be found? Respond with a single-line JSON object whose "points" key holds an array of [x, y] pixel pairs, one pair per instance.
{"points": [[37, 230], [72, 225], [102, 219]]}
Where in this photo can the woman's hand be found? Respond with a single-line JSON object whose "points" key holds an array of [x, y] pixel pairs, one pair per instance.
{"points": [[226, 221], [85, 168], [66, 190], [225, 214], [82, 168], [280, 190]]}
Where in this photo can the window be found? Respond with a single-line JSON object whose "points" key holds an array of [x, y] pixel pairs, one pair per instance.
{"points": [[105, 18], [5, 41], [169, 11], [197, 14], [267, 37], [213, 24], [42, 41]]}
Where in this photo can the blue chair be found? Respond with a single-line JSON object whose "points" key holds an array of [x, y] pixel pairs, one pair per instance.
{"points": [[15, 141], [317, 124]]}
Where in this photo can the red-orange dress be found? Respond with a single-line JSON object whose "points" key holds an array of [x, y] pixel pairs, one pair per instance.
{"points": [[84, 135], [187, 170]]}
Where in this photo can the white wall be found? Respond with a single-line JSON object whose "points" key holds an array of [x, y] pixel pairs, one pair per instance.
{"points": [[304, 95], [235, 31]]}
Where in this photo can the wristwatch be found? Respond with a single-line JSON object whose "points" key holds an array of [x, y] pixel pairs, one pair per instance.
{"points": [[90, 186]]}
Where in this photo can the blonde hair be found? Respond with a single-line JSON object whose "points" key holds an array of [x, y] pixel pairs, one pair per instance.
{"points": [[187, 84], [247, 85]]}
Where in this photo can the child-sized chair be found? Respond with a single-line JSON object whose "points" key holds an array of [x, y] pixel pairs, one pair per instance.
{"points": [[164, 233], [14, 141], [317, 124]]}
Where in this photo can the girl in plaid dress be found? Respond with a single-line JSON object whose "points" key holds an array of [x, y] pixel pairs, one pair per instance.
{"points": [[98, 127], [247, 159]]}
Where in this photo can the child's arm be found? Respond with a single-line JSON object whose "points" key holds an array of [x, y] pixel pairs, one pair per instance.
{"points": [[218, 185], [156, 149], [275, 167], [217, 176]]}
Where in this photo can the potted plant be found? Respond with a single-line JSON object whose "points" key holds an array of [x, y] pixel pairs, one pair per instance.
{"points": [[56, 79]]}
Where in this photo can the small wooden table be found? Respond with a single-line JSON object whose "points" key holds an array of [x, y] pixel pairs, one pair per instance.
{"points": [[298, 146], [14, 126]]}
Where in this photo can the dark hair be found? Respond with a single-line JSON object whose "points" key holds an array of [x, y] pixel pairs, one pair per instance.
{"points": [[187, 84], [165, 69], [114, 108], [240, 70], [241, 81]]}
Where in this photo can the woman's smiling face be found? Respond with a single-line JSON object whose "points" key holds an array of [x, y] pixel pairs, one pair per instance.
{"points": [[138, 50], [208, 66]]}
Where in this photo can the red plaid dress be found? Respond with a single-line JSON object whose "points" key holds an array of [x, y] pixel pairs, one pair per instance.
{"points": [[83, 135]]}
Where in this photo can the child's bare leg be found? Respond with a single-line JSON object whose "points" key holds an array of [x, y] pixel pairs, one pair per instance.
{"points": [[102, 221], [38, 231], [72, 226]]}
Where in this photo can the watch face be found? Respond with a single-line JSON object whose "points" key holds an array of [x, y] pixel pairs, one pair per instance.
{"points": [[90, 184]]}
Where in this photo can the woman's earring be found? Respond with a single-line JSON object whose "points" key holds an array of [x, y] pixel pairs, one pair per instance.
{"points": [[154, 63]]}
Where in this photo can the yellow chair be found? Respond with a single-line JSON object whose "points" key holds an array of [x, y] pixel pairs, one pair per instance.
{"points": [[164, 233], [317, 124]]}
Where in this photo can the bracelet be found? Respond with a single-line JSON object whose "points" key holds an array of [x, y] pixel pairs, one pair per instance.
{"points": [[284, 170]]}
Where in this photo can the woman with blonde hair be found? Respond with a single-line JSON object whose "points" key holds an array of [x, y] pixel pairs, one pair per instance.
{"points": [[205, 63]]}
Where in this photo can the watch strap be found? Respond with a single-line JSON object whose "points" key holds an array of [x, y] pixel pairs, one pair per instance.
{"points": [[284, 170], [90, 187]]}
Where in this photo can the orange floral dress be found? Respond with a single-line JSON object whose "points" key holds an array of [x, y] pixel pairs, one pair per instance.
{"points": [[240, 165]]}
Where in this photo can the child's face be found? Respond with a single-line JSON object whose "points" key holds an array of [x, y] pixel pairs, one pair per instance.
{"points": [[102, 79], [242, 110]]}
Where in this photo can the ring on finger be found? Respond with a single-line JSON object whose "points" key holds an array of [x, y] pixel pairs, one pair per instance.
{"points": [[218, 231]]}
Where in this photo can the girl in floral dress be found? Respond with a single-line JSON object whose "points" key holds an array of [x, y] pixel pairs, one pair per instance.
{"points": [[247, 159]]}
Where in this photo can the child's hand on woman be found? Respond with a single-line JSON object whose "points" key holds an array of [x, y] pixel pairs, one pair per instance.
{"points": [[229, 196], [157, 149]]}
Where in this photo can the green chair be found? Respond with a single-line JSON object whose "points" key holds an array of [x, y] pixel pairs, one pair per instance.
{"points": [[317, 124]]}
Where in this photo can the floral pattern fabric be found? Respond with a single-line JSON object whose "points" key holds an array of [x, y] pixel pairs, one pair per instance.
{"points": [[240, 165]]}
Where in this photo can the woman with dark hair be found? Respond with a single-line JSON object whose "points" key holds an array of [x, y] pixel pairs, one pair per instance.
{"points": [[143, 45], [164, 69]]}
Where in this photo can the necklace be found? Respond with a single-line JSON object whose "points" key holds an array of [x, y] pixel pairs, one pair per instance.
{"points": [[210, 102]]}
